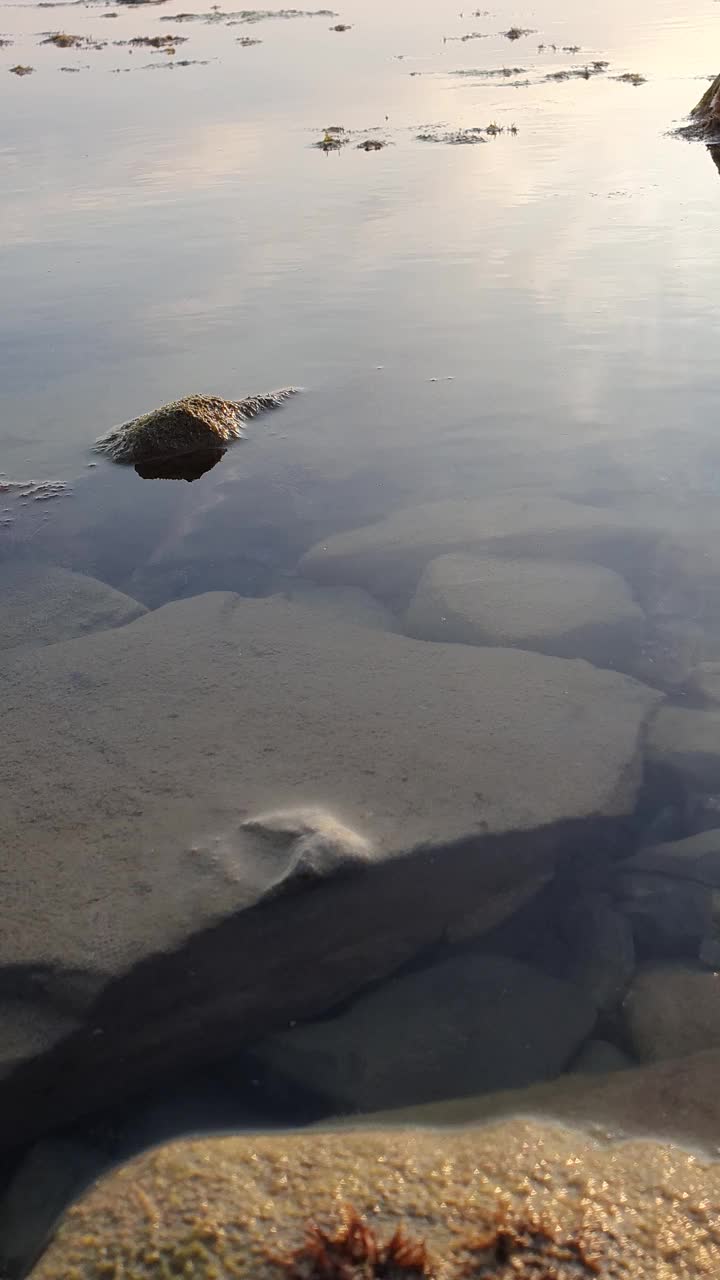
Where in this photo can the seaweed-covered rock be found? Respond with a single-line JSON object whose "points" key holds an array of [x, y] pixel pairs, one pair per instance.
{"points": [[238, 1206], [195, 423], [704, 119]]}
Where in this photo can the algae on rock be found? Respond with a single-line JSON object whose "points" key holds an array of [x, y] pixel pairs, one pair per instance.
{"points": [[197, 422]]}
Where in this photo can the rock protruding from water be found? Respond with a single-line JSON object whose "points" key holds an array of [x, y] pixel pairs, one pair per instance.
{"points": [[43, 603], [198, 423], [469, 1024], [544, 1200], [557, 607], [705, 115]]}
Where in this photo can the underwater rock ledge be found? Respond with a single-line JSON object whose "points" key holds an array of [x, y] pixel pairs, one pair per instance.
{"points": [[189, 425]]}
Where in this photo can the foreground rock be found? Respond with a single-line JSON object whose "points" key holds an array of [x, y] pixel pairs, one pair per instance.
{"points": [[195, 424], [233, 1206], [145, 766], [557, 607], [471, 1024], [671, 1011], [387, 558], [42, 603]]}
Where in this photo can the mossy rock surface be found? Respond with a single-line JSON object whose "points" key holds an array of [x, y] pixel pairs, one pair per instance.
{"points": [[241, 1206], [195, 423]]}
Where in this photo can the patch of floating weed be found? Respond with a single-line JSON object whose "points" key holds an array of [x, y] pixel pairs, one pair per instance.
{"points": [[19, 70], [631, 77], [62, 40], [466, 137], [342, 26], [471, 35], [516, 33], [371, 144], [5, 44], [501, 72], [247, 42], [238, 16], [580, 73], [333, 139]]}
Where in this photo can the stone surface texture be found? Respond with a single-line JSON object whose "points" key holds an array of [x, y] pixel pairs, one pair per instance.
{"points": [[687, 743], [42, 604], [469, 1024], [558, 607], [219, 1207], [388, 558], [151, 774], [671, 1011]]}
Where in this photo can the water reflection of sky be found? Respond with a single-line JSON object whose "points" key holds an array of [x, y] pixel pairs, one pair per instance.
{"points": [[172, 230]]}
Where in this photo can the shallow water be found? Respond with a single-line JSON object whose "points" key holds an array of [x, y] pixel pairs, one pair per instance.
{"points": [[533, 315]]}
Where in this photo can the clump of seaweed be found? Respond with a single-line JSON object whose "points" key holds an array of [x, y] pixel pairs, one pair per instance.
{"points": [[455, 137], [371, 144], [580, 73], [467, 137], [631, 77], [355, 1252], [342, 26], [247, 42], [509, 1248], [20, 70], [525, 1248], [333, 139], [61, 40], [194, 424], [5, 44], [516, 33], [37, 490], [153, 42], [503, 72], [471, 35], [238, 16]]}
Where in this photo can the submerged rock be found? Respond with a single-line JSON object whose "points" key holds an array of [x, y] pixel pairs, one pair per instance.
{"points": [[466, 771], [515, 1199], [557, 607], [388, 558], [686, 743], [469, 1024], [672, 1011], [194, 424], [43, 603]]}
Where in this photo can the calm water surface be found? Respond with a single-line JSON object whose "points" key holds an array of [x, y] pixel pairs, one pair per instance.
{"points": [[536, 314]]}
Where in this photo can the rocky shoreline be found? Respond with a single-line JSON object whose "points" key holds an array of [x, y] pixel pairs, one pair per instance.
{"points": [[428, 787]]}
